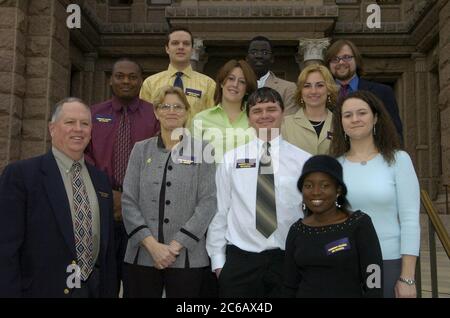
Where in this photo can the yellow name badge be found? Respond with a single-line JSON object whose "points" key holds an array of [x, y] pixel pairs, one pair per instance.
{"points": [[245, 163], [337, 246], [186, 160], [103, 119], [149, 161]]}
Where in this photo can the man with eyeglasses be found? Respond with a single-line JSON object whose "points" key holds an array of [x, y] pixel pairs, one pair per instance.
{"points": [[345, 63], [117, 124], [260, 57]]}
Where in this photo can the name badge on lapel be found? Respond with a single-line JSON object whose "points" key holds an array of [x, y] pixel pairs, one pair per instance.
{"points": [[245, 163], [338, 246], [103, 194], [329, 135], [184, 160], [105, 119], [193, 92]]}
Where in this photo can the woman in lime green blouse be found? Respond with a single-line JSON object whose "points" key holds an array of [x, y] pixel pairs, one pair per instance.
{"points": [[225, 126]]}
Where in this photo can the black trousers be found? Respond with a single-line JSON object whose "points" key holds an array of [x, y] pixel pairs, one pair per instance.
{"points": [[391, 272], [210, 287], [148, 282], [253, 275], [121, 240]]}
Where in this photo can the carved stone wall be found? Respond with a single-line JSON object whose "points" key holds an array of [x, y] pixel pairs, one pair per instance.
{"points": [[34, 72], [47, 71], [13, 28], [444, 81]]}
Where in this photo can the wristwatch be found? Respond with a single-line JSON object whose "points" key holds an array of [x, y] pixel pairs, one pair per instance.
{"points": [[408, 281]]}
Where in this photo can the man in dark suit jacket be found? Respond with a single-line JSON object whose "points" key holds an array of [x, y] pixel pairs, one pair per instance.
{"points": [[345, 63], [40, 244]]}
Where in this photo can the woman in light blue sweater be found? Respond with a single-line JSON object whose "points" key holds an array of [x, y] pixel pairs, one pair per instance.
{"points": [[381, 181]]}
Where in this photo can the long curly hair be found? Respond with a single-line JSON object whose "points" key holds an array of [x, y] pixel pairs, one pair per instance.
{"points": [[386, 139]]}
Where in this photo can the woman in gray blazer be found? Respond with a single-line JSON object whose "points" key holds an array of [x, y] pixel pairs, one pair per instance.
{"points": [[168, 201]]}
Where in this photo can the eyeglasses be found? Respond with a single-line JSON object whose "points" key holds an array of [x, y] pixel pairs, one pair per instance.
{"points": [[345, 58], [262, 52], [175, 107]]}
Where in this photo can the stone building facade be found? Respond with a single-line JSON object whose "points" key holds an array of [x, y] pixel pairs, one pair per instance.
{"points": [[42, 60]]}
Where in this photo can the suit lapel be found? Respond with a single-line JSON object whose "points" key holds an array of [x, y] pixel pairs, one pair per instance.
{"points": [[326, 127], [271, 81], [363, 84], [300, 119], [57, 196]]}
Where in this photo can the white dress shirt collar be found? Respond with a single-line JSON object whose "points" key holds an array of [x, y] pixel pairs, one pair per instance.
{"points": [[263, 79], [274, 143]]}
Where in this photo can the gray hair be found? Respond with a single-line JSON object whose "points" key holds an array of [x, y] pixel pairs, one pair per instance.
{"points": [[58, 106]]}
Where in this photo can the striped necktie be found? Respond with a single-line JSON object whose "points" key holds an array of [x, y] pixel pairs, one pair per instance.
{"points": [[266, 209], [84, 244], [122, 148]]}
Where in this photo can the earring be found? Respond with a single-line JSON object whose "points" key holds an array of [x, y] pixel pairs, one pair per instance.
{"points": [[338, 205], [304, 207], [345, 137], [329, 101], [374, 130], [302, 102]]}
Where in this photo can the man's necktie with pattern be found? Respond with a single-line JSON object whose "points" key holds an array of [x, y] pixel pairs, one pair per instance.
{"points": [[122, 148], [178, 80], [266, 209], [84, 244]]}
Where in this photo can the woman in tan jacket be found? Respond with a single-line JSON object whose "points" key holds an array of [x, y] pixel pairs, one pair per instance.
{"points": [[310, 128]]}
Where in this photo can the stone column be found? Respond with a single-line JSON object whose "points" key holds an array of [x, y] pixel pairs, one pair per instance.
{"points": [[139, 11], [88, 77], [408, 112], [13, 26], [311, 51], [444, 94], [423, 127], [198, 58], [47, 73], [102, 10]]}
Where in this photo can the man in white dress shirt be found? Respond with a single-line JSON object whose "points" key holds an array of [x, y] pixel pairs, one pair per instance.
{"points": [[258, 201]]}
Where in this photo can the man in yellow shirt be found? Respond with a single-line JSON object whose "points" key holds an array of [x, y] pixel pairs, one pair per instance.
{"points": [[198, 87]]}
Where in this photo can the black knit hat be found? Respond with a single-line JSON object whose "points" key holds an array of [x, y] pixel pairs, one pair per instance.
{"points": [[325, 164]]}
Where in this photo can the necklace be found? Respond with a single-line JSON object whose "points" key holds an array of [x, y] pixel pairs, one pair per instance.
{"points": [[368, 158], [318, 123]]}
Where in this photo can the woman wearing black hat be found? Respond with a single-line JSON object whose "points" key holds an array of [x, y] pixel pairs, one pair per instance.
{"points": [[332, 252]]}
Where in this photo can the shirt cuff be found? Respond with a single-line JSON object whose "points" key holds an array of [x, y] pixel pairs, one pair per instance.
{"points": [[217, 261]]}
